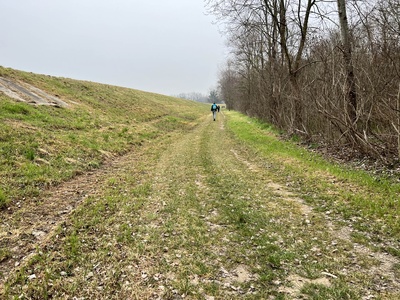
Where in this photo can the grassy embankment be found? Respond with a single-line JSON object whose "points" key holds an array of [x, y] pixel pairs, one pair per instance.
{"points": [[42, 146], [366, 202]]}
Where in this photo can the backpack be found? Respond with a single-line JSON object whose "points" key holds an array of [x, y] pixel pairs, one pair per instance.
{"points": [[214, 107]]}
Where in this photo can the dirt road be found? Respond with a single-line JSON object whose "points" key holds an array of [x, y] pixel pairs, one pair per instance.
{"points": [[193, 216]]}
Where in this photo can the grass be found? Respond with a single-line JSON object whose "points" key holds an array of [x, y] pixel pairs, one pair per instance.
{"points": [[352, 194], [3, 200], [195, 209], [101, 121], [318, 292]]}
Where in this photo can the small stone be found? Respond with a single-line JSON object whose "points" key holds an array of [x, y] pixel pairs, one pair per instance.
{"points": [[38, 234], [277, 282], [31, 277], [89, 275]]}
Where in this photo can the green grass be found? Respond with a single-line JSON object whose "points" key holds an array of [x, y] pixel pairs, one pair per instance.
{"points": [[326, 185], [320, 292], [42, 146], [189, 206], [3, 200]]}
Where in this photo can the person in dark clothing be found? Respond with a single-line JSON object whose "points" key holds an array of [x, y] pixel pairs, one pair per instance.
{"points": [[214, 109]]}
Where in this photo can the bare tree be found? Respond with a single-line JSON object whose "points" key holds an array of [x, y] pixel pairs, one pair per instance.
{"points": [[350, 85], [329, 70], [282, 27]]}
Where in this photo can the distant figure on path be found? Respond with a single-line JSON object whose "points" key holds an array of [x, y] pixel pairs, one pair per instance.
{"points": [[214, 109]]}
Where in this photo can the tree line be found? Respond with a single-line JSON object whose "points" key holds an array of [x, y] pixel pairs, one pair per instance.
{"points": [[212, 97], [326, 70]]}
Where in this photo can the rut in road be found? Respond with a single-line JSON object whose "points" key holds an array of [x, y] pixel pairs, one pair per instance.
{"points": [[32, 223]]}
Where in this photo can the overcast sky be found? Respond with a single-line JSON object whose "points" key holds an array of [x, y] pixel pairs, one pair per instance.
{"points": [[162, 46]]}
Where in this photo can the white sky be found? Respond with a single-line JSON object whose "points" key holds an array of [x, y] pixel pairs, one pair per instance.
{"points": [[162, 46]]}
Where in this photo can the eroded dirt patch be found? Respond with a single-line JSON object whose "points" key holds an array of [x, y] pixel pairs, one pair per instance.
{"points": [[25, 92]]}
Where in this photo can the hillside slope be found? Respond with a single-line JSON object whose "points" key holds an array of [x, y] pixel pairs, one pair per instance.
{"points": [[42, 146]]}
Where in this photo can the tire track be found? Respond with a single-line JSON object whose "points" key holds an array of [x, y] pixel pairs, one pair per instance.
{"points": [[33, 225]]}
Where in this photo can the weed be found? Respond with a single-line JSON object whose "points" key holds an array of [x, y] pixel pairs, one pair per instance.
{"points": [[396, 268], [201, 268], [106, 137], [124, 132], [393, 251], [4, 254], [4, 201], [143, 190], [30, 154], [73, 246], [125, 234]]}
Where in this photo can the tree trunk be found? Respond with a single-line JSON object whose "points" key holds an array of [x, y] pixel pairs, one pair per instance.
{"points": [[398, 122], [297, 103], [350, 87]]}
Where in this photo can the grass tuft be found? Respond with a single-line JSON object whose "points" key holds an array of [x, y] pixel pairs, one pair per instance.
{"points": [[4, 201]]}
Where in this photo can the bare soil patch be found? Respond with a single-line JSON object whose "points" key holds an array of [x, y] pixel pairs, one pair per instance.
{"points": [[24, 92]]}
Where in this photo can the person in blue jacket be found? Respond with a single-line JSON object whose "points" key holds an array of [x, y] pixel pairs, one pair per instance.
{"points": [[214, 109]]}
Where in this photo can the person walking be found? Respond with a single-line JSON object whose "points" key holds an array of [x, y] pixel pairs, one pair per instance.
{"points": [[214, 109]]}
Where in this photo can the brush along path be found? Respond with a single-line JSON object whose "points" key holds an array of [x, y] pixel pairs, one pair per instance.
{"points": [[196, 217]]}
